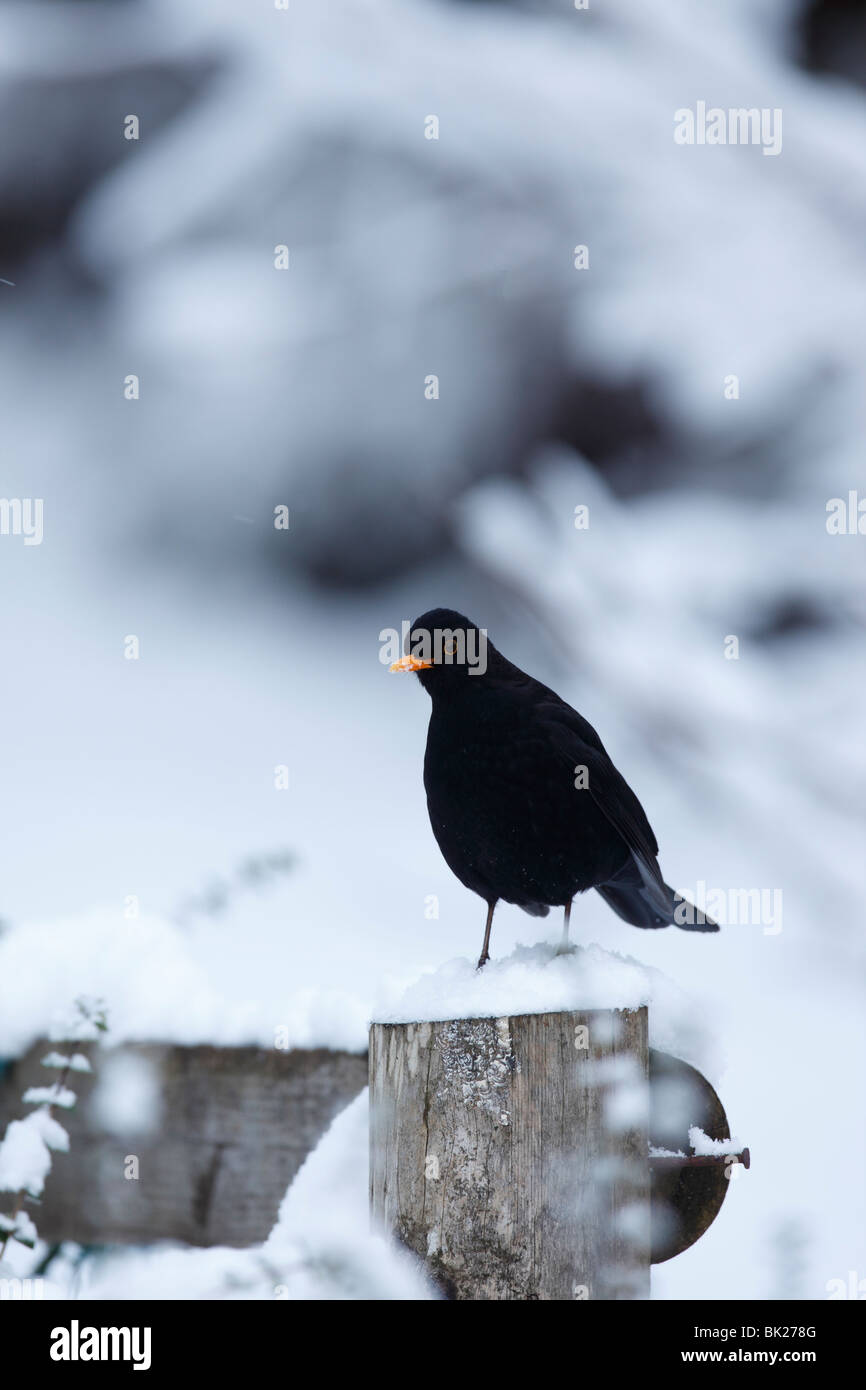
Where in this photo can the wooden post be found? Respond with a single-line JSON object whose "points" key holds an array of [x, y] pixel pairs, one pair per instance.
{"points": [[511, 1154], [232, 1127]]}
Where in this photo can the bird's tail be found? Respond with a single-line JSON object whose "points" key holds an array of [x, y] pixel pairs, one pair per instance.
{"points": [[644, 904]]}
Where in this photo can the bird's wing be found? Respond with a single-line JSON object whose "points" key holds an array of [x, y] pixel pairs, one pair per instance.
{"points": [[575, 738]]}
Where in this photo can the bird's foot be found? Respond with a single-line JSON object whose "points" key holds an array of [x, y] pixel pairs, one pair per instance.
{"points": [[482, 960], [564, 949]]}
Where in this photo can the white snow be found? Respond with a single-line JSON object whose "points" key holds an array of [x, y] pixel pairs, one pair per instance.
{"points": [[534, 979], [24, 1157], [50, 1095], [61, 1062], [51, 1131], [25, 1229], [702, 1144], [73, 1025], [157, 978], [126, 1099]]}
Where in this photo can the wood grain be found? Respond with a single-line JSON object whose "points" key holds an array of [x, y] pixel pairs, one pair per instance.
{"points": [[511, 1154]]}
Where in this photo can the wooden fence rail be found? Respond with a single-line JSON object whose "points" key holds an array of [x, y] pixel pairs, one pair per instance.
{"points": [[229, 1128]]}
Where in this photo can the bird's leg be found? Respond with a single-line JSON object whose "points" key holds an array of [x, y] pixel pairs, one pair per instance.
{"points": [[564, 949], [485, 953]]}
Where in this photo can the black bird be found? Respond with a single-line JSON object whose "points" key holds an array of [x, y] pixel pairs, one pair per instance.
{"points": [[524, 801]]}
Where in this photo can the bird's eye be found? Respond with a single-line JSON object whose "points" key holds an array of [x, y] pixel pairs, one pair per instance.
{"points": [[450, 647]]}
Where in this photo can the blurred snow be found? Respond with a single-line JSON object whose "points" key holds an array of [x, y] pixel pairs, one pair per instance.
{"points": [[126, 1099], [452, 256], [161, 986], [25, 1160]]}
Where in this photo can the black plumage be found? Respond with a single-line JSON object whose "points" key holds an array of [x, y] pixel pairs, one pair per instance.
{"points": [[524, 801]]}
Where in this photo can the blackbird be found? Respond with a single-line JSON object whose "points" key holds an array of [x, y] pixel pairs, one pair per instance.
{"points": [[524, 801]]}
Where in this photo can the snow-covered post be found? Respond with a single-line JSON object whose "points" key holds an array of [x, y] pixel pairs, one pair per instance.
{"points": [[511, 1153]]}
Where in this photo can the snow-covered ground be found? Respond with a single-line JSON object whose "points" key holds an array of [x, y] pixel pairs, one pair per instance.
{"points": [[151, 860]]}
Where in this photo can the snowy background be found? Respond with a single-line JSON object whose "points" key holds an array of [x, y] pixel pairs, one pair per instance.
{"points": [[154, 779]]}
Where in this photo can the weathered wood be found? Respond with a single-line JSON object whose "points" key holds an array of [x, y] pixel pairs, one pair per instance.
{"points": [[511, 1153], [232, 1127]]}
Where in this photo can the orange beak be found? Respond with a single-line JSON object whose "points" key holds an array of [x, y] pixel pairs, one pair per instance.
{"points": [[410, 663]]}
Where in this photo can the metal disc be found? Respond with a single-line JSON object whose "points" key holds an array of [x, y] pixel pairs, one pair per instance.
{"points": [[684, 1201]]}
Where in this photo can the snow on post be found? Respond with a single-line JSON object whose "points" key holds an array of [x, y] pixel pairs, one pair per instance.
{"points": [[511, 1153]]}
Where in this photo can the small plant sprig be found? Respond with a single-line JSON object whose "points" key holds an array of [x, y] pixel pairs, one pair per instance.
{"points": [[25, 1152]]}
